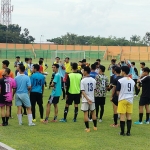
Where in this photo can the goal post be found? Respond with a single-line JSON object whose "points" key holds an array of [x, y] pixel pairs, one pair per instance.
{"points": [[74, 56]]}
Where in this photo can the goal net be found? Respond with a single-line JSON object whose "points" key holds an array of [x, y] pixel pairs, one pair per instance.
{"points": [[74, 56]]}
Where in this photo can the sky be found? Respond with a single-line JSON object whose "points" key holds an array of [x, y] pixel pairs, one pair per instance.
{"points": [[53, 18]]}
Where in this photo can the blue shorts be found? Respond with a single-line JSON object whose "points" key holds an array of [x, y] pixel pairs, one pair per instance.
{"points": [[23, 99]]}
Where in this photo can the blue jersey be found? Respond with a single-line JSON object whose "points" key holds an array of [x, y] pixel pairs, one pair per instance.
{"points": [[23, 82], [61, 70], [37, 82], [93, 74], [56, 92]]}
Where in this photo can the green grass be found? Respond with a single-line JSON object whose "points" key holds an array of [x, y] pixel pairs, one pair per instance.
{"points": [[66, 136]]}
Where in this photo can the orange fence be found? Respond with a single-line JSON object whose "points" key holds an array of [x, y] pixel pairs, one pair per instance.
{"points": [[119, 52]]}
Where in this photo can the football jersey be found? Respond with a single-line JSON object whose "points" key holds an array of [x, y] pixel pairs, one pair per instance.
{"points": [[6, 85], [88, 84], [125, 86], [93, 74], [101, 85]]}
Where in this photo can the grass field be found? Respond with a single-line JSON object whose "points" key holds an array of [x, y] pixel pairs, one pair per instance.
{"points": [[70, 135]]}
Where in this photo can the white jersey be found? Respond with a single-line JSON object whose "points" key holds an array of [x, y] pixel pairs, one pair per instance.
{"points": [[126, 87], [88, 84]]}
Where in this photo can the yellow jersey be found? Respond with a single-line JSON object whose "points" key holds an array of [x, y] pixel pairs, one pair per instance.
{"points": [[68, 67]]}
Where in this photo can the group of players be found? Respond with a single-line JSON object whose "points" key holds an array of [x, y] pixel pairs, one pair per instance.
{"points": [[75, 80]]}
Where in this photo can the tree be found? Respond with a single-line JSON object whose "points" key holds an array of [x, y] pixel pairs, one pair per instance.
{"points": [[135, 38], [146, 38], [12, 34]]}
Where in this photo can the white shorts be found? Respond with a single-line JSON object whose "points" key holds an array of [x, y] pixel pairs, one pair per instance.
{"points": [[86, 106]]}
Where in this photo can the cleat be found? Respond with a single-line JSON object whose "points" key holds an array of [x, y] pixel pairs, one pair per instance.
{"points": [[62, 120], [128, 134], [74, 120], [100, 120], [31, 124], [95, 128], [53, 120], [90, 120], [138, 123], [87, 130], [146, 122], [34, 120], [121, 134]]}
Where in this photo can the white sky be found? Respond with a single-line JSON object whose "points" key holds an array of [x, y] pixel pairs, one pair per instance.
{"points": [[53, 18]]}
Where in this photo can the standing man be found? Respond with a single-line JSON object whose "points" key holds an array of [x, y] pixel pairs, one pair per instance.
{"points": [[142, 65], [135, 77], [114, 96], [88, 85], [102, 84], [145, 96], [7, 84], [23, 87], [62, 74], [37, 88], [16, 63], [99, 61], [5, 65], [125, 91], [113, 63], [72, 92], [30, 66], [55, 95], [93, 74], [68, 65]]}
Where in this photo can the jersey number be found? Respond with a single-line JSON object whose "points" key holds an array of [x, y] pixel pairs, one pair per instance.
{"points": [[7, 87], [129, 87], [38, 82], [90, 87]]}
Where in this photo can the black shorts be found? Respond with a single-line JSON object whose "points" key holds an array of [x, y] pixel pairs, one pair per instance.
{"points": [[115, 101], [144, 101], [73, 97], [36, 97], [53, 100], [99, 101]]}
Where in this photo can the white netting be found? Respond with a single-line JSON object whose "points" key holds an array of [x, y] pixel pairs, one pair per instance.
{"points": [[74, 56]]}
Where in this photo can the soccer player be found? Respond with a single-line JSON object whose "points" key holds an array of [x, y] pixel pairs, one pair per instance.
{"points": [[55, 95], [68, 65], [30, 66], [99, 61], [102, 84], [145, 96], [79, 65], [72, 92], [135, 77], [125, 91], [114, 96], [26, 64], [18, 70], [62, 73], [36, 95], [93, 74], [113, 63], [7, 84], [142, 65], [97, 67], [88, 85], [41, 66], [23, 87], [16, 63], [5, 65]]}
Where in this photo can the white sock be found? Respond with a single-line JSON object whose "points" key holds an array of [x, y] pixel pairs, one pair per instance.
{"points": [[30, 118], [19, 118]]}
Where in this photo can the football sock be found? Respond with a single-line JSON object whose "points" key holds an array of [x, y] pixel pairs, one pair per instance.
{"points": [[46, 118], [115, 119], [122, 126], [140, 117], [66, 112], [75, 112], [95, 123], [7, 118], [147, 117], [30, 118], [129, 123], [3, 120], [20, 118], [87, 124], [55, 118], [102, 111]]}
